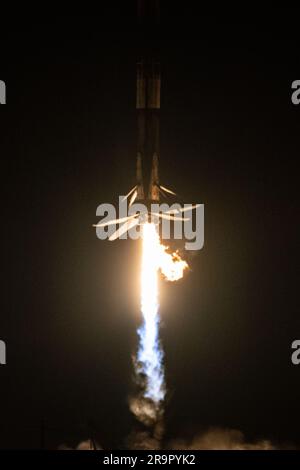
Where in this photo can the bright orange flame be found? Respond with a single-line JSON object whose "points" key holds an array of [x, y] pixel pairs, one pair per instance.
{"points": [[155, 255], [171, 265]]}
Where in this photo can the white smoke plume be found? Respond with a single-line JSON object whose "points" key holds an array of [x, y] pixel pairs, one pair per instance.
{"points": [[221, 439]]}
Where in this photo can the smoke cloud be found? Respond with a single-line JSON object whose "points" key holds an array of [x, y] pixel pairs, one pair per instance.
{"points": [[212, 439], [221, 439]]}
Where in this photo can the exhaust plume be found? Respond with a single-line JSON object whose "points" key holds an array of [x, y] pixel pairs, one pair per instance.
{"points": [[148, 407]]}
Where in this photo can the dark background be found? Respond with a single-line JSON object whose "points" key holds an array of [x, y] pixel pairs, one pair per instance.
{"points": [[230, 138]]}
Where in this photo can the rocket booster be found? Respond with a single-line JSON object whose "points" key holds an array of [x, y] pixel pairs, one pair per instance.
{"points": [[148, 107], [148, 85]]}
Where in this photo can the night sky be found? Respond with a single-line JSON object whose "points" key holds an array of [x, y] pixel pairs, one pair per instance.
{"points": [[230, 138]]}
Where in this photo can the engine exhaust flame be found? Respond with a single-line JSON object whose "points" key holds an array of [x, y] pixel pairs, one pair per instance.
{"points": [[149, 360]]}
